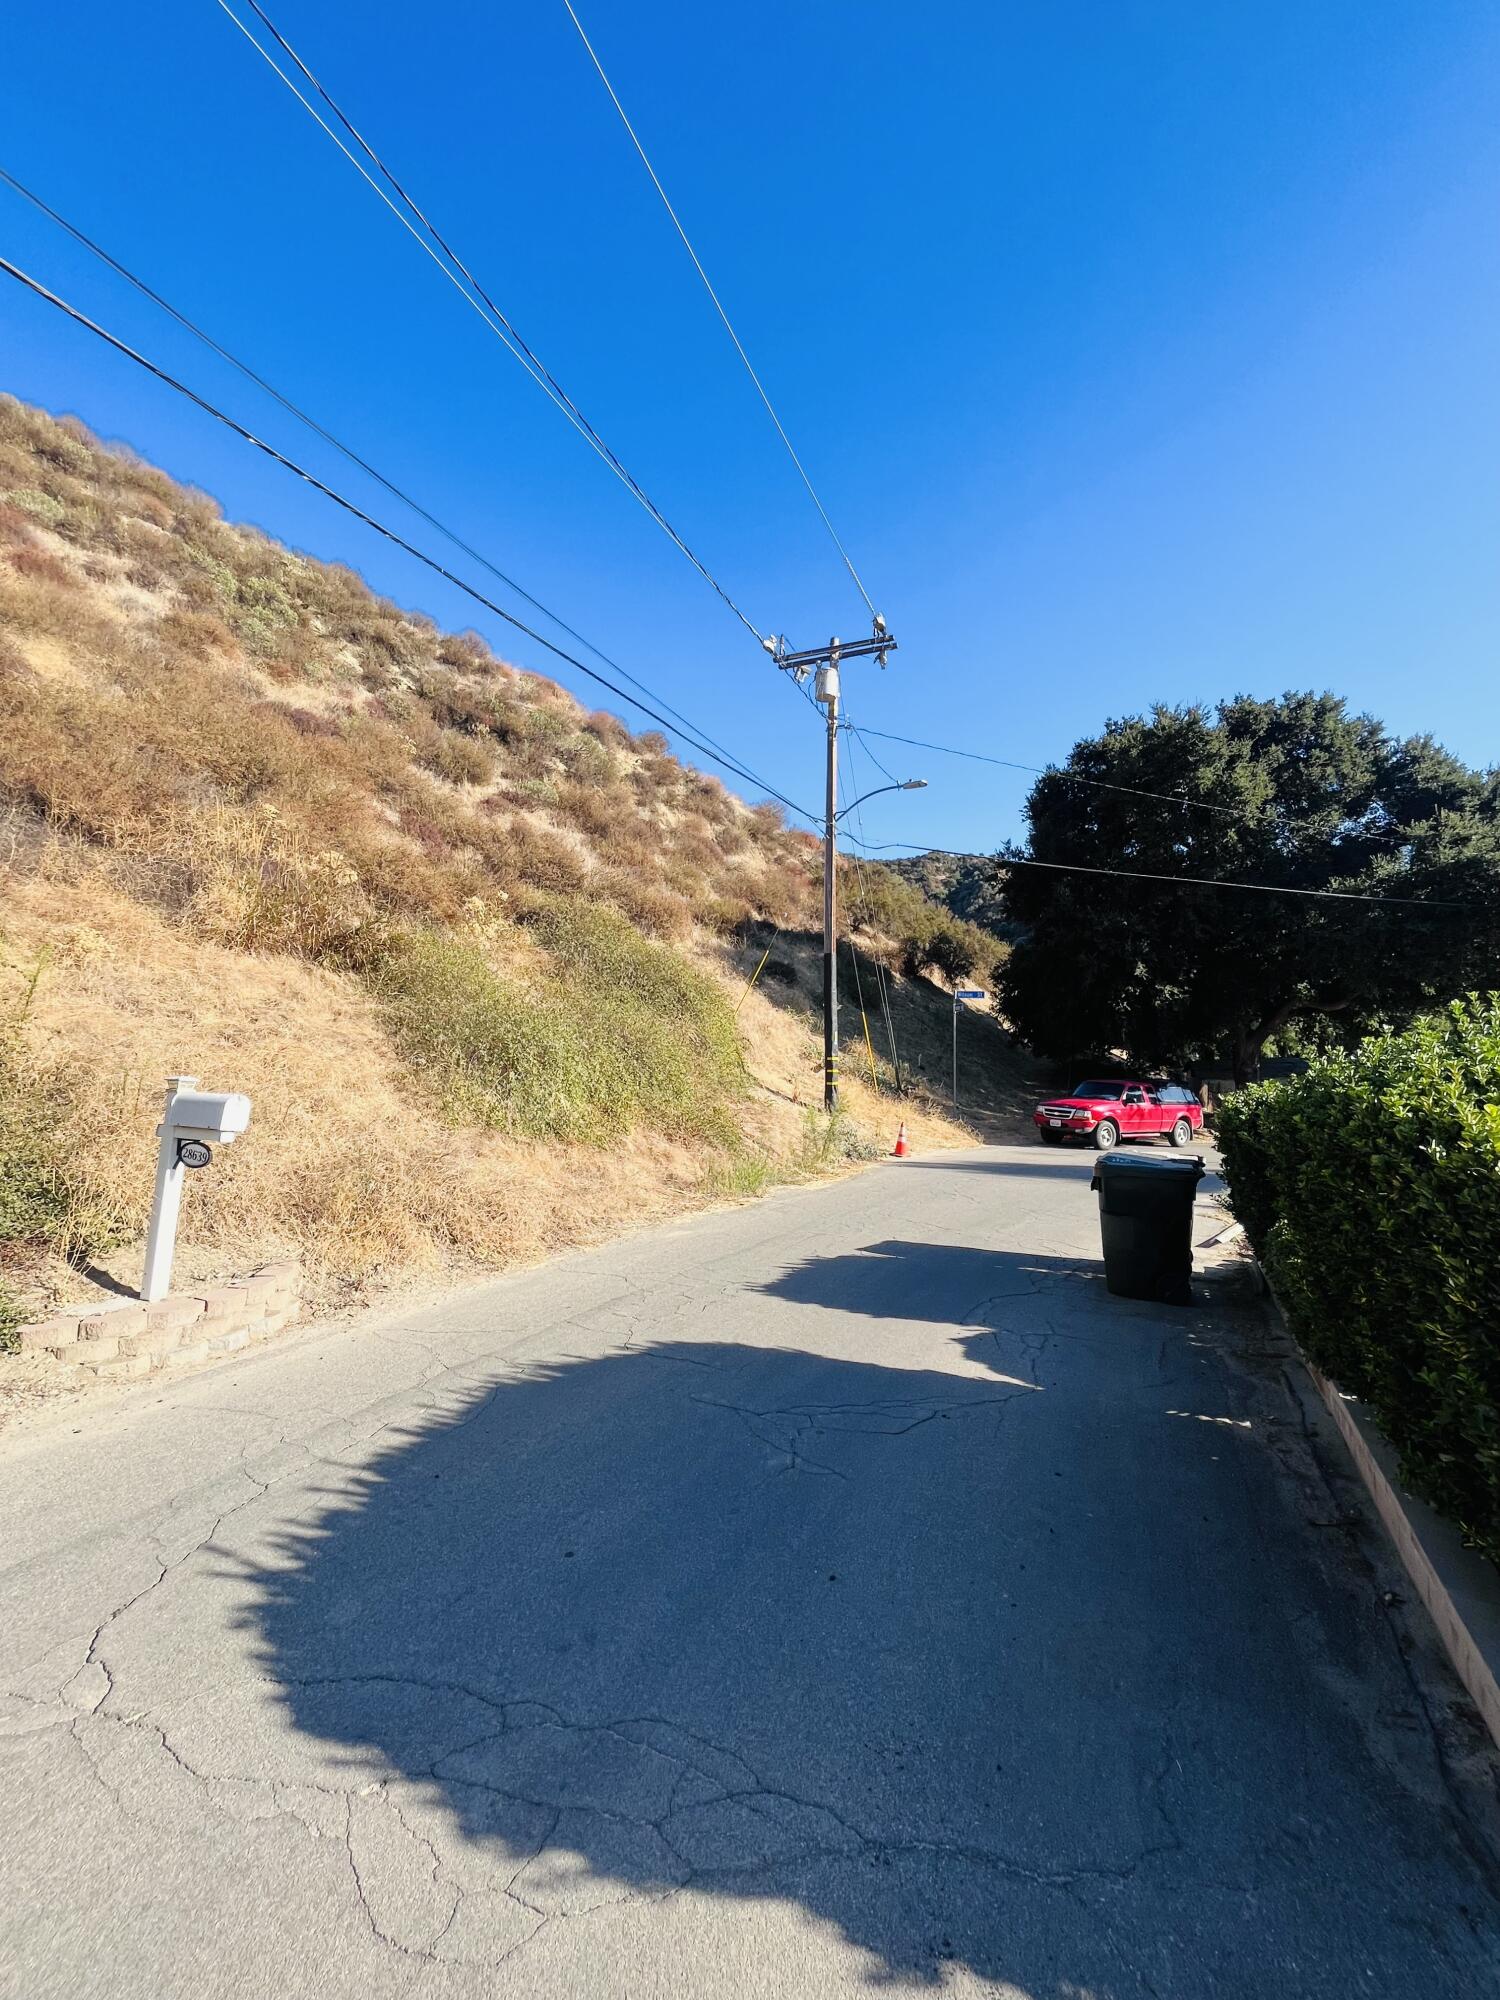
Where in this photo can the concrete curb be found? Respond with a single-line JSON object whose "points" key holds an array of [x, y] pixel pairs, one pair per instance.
{"points": [[1459, 1588]]}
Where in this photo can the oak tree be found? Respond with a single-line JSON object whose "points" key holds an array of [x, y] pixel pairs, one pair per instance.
{"points": [[1291, 795]]}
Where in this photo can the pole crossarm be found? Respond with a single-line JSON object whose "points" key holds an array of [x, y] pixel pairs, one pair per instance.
{"points": [[843, 649]]}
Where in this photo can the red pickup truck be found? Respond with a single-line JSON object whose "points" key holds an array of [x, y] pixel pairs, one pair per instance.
{"points": [[1102, 1111]]}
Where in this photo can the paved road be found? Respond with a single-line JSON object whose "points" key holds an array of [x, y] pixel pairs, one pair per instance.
{"points": [[842, 1592]]}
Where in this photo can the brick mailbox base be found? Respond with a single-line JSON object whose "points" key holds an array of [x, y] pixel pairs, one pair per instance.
{"points": [[118, 1342]]}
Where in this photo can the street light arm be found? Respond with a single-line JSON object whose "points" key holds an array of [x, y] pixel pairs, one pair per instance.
{"points": [[906, 785]]}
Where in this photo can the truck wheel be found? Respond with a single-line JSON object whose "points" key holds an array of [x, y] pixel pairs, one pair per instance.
{"points": [[1106, 1132], [1180, 1133]]}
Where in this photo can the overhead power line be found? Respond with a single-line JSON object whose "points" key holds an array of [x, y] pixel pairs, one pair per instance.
{"points": [[718, 305], [1176, 881], [347, 451], [389, 534], [1054, 771], [715, 754], [82, 319], [170, 381], [470, 288], [1247, 815], [859, 736]]}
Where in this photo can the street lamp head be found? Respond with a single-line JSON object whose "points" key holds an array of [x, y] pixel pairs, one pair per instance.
{"points": [[914, 785]]}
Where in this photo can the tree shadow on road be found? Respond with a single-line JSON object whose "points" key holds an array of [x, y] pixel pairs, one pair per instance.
{"points": [[874, 1653], [695, 1617], [954, 1284]]}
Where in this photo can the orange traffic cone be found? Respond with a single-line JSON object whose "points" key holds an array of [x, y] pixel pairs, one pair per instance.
{"points": [[901, 1148]]}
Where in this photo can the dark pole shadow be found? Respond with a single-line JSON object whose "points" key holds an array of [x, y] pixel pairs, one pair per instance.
{"points": [[97, 1275]]}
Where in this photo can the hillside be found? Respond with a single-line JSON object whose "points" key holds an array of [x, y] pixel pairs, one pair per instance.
{"points": [[968, 885], [478, 955]]}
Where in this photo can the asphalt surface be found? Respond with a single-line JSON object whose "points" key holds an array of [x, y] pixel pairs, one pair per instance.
{"points": [[840, 1592]]}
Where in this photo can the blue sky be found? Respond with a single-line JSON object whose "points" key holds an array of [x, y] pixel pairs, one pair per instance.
{"points": [[1139, 352]]}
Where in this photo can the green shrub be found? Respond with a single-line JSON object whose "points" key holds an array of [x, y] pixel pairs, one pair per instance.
{"points": [[585, 759], [829, 1138], [743, 1175], [40, 506], [12, 1319], [34, 1194], [949, 946], [1371, 1188], [43, 1205], [928, 935], [264, 613], [617, 1034], [223, 582]]}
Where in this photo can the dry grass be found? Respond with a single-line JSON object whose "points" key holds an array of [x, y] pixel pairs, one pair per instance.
{"points": [[237, 789], [346, 1162]]}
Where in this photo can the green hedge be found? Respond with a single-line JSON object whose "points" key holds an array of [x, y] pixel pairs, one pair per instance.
{"points": [[1371, 1188]]}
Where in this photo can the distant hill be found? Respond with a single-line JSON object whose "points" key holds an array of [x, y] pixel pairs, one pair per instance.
{"points": [[968, 885]]}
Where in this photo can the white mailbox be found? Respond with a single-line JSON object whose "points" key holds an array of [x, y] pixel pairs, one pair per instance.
{"points": [[193, 1122], [200, 1114]]}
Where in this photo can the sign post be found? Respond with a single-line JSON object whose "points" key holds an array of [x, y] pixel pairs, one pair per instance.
{"points": [[960, 993]]}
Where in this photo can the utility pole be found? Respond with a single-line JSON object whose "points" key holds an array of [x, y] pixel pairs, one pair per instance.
{"points": [[826, 690], [825, 661]]}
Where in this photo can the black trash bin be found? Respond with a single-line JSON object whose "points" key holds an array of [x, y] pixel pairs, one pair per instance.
{"points": [[1146, 1222]]}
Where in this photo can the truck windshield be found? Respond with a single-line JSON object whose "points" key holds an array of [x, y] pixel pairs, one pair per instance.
{"points": [[1092, 1088]]}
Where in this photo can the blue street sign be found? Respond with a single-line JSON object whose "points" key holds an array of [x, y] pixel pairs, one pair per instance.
{"points": [[968, 993]]}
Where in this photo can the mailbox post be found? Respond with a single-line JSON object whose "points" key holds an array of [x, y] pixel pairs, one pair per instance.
{"points": [[193, 1122]]}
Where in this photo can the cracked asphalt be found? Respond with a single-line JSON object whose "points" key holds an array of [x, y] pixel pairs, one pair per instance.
{"points": [[839, 1592]]}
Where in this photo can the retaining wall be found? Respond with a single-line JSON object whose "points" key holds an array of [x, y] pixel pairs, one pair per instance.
{"points": [[106, 1343], [1459, 1588]]}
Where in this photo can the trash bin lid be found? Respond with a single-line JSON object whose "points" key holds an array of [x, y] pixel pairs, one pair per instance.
{"points": [[1151, 1163], [1148, 1176]]}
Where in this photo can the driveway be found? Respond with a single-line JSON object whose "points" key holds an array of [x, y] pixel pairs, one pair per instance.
{"points": [[840, 1592]]}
